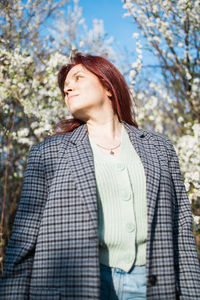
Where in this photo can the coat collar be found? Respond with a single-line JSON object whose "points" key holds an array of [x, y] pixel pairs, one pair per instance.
{"points": [[80, 135]]}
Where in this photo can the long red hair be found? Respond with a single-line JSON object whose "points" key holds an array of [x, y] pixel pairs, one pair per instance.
{"points": [[110, 78]]}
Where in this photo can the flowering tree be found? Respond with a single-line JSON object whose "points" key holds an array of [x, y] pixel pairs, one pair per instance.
{"points": [[172, 31], [30, 101], [71, 30], [168, 100]]}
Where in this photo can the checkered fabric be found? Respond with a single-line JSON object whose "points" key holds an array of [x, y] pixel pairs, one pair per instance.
{"points": [[53, 250]]}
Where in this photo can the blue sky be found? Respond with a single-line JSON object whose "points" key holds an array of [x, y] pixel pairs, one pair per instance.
{"points": [[121, 28], [111, 12]]}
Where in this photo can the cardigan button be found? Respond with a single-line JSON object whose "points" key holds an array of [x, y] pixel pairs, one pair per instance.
{"points": [[152, 280], [126, 196], [130, 227]]}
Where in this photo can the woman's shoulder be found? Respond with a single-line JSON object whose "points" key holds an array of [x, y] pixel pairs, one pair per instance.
{"points": [[158, 136], [150, 134], [51, 143], [159, 140]]}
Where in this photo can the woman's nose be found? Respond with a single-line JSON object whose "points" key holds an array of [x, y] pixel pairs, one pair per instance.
{"points": [[68, 89]]}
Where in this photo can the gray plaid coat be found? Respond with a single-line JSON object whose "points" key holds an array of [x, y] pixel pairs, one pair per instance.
{"points": [[53, 250]]}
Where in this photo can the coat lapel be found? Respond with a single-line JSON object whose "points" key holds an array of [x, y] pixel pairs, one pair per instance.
{"points": [[75, 153]]}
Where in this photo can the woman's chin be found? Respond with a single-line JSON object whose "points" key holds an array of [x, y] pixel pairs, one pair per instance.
{"points": [[78, 114]]}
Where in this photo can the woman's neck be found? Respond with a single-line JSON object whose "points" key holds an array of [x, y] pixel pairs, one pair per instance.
{"points": [[107, 132]]}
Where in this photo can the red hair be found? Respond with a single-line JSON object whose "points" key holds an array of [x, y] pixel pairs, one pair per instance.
{"points": [[110, 78]]}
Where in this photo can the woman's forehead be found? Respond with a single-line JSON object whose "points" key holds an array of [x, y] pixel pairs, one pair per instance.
{"points": [[74, 70]]}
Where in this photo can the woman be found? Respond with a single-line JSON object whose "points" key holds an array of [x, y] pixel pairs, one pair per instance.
{"points": [[103, 213]]}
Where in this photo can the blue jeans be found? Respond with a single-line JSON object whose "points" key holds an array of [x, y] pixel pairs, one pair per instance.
{"points": [[120, 285]]}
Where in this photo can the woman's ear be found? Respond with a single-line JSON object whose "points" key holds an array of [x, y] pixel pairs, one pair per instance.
{"points": [[108, 93]]}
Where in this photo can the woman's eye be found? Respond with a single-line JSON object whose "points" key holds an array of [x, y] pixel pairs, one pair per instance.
{"points": [[78, 77]]}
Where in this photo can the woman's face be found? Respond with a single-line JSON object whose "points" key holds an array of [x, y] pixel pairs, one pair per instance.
{"points": [[84, 94]]}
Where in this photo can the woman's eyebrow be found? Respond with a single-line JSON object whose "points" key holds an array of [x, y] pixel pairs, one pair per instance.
{"points": [[67, 82]]}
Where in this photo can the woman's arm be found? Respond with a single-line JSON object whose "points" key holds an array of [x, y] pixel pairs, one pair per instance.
{"points": [[186, 258], [14, 283]]}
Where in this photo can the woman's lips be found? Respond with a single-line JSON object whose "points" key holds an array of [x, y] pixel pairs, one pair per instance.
{"points": [[69, 98]]}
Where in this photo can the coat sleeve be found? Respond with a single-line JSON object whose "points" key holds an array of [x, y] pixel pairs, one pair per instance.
{"points": [[186, 258], [14, 283]]}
